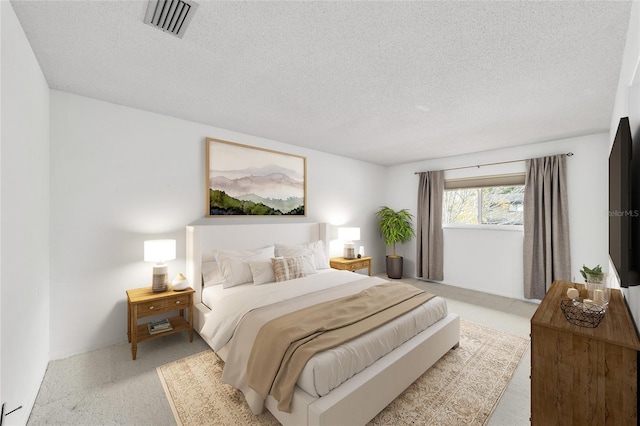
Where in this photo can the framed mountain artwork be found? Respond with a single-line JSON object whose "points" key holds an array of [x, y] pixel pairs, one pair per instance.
{"points": [[243, 180]]}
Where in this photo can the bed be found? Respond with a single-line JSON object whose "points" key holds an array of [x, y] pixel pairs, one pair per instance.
{"points": [[314, 401]]}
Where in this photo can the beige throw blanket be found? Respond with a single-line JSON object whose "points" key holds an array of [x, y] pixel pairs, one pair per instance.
{"points": [[284, 345]]}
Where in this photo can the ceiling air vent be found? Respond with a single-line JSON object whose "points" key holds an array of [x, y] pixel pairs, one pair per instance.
{"points": [[171, 16]]}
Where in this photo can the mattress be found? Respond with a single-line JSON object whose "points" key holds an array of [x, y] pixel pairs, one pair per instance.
{"points": [[328, 369]]}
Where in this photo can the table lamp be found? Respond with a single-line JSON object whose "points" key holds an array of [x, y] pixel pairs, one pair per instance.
{"points": [[349, 235], [159, 251]]}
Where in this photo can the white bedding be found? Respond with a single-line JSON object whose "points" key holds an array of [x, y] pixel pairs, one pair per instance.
{"points": [[229, 305], [215, 295], [328, 369]]}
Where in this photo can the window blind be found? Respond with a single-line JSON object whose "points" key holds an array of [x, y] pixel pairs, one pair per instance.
{"points": [[485, 181]]}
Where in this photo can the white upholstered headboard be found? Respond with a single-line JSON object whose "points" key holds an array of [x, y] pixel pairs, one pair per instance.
{"points": [[203, 239]]}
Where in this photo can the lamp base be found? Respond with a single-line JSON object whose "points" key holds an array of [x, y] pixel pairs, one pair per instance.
{"points": [[349, 251], [160, 279]]}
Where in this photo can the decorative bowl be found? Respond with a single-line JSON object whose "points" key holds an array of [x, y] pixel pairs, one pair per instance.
{"points": [[179, 283]]}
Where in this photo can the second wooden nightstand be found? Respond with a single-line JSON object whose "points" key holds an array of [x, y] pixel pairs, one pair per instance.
{"points": [[350, 264], [143, 302]]}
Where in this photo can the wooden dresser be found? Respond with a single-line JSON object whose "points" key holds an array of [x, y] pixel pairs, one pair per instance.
{"points": [[579, 375]]}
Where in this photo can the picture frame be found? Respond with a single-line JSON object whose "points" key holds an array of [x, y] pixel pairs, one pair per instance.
{"points": [[244, 180]]}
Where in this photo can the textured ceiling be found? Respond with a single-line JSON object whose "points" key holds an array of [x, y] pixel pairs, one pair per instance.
{"points": [[384, 82]]}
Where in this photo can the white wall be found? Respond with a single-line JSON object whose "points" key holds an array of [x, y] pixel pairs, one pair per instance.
{"points": [[491, 261], [121, 175], [24, 221], [628, 91]]}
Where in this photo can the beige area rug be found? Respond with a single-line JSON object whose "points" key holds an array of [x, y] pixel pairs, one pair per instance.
{"points": [[462, 388]]}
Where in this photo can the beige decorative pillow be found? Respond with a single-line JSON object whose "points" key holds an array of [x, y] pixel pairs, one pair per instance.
{"points": [[289, 268]]}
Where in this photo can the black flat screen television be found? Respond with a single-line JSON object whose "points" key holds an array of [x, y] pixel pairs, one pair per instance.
{"points": [[624, 206]]}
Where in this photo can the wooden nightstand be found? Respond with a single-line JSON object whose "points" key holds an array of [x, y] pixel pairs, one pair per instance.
{"points": [[350, 264], [143, 302]]}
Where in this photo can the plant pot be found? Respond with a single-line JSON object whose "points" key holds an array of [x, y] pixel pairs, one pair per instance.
{"points": [[394, 267]]}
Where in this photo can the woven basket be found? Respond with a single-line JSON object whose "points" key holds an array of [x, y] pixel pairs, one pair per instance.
{"points": [[579, 313]]}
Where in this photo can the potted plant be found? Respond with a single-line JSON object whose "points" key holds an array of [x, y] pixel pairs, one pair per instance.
{"points": [[598, 285], [594, 273], [395, 227]]}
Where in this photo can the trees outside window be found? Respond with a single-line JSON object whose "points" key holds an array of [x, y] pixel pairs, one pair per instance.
{"points": [[497, 205]]}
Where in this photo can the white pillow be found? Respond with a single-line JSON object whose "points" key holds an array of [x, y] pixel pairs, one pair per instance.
{"points": [[236, 253], [234, 264], [211, 274], [314, 249], [308, 267], [262, 272], [320, 258]]}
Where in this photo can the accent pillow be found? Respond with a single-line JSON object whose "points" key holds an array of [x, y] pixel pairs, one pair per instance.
{"points": [[234, 264], [211, 274], [314, 249], [262, 272], [288, 268]]}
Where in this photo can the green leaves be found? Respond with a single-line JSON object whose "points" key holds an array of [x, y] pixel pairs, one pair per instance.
{"points": [[596, 270], [395, 226]]}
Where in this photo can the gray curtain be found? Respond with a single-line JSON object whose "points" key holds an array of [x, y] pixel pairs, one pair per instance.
{"points": [[546, 225], [429, 227]]}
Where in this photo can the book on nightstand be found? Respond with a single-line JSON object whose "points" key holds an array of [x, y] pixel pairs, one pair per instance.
{"points": [[159, 326]]}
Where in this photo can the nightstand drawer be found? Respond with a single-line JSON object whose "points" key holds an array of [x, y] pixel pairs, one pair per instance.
{"points": [[150, 308], [165, 305], [351, 264], [358, 265], [178, 302]]}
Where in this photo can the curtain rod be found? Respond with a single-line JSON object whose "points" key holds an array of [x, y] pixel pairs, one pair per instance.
{"points": [[568, 154]]}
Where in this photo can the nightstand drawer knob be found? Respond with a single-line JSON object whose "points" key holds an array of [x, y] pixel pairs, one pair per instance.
{"points": [[177, 302], [151, 307]]}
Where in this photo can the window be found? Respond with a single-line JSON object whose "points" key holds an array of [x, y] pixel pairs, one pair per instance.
{"points": [[494, 200]]}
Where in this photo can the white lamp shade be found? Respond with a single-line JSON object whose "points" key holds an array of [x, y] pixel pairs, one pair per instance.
{"points": [[349, 234], [159, 250]]}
